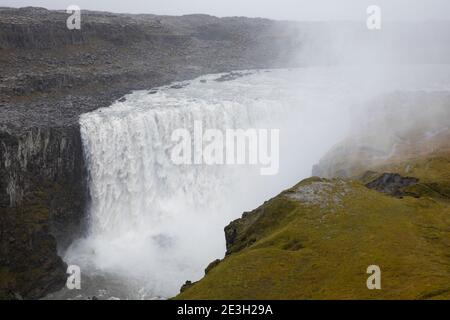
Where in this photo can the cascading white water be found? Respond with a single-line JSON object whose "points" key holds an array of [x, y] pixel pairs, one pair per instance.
{"points": [[154, 224]]}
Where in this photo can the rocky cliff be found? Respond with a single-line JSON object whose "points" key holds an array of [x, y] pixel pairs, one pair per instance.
{"points": [[50, 75], [43, 195]]}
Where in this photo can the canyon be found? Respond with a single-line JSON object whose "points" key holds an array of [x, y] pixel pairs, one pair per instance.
{"points": [[59, 93]]}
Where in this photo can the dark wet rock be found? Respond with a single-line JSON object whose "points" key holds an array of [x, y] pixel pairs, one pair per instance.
{"points": [[179, 85], [43, 186], [232, 76], [186, 285], [392, 184], [236, 232], [212, 265]]}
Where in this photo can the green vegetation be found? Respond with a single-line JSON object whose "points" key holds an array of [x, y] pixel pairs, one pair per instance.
{"points": [[316, 240], [28, 252]]}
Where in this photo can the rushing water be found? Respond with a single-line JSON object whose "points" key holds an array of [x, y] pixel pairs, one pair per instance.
{"points": [[155, 224]]}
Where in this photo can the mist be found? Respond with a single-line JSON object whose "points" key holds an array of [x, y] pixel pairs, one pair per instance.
{"points": [[400, 70], [154, 225]]}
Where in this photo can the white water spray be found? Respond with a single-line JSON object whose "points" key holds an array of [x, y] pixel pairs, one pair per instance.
{"points": [[155, 224]]}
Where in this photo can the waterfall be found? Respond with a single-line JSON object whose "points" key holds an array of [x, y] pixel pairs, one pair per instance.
{"points": [[155, 224]]}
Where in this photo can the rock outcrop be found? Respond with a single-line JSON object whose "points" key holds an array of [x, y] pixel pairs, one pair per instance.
{"points": [[392, 184], [43, 197]]}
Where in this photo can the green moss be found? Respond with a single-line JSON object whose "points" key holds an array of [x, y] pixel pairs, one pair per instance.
{"points": [[292, 249], [30, 249]]}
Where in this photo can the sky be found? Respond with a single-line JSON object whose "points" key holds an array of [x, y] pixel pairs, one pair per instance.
{"points": [[274, 9]]}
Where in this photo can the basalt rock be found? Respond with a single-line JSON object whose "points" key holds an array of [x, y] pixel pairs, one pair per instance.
{"points": [[43, 197], [392, 184]]}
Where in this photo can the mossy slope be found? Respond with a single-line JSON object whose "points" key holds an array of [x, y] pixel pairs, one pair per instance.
{"points": [[316, 240]]}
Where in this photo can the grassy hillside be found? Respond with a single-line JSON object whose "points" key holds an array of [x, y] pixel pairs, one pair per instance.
{"points": [[386, 202], [316, 240]]}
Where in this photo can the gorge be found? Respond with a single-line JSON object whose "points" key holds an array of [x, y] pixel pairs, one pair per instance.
{"points": [[85, 137], [155, 223]]}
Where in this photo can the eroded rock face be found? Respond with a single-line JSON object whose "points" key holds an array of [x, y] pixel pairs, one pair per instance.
{"points": [[30, 266], [392, 184], [43, 195], [235, 232]]}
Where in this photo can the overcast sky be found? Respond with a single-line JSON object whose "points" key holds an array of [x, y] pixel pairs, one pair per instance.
{"points": [[275, 9]]}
